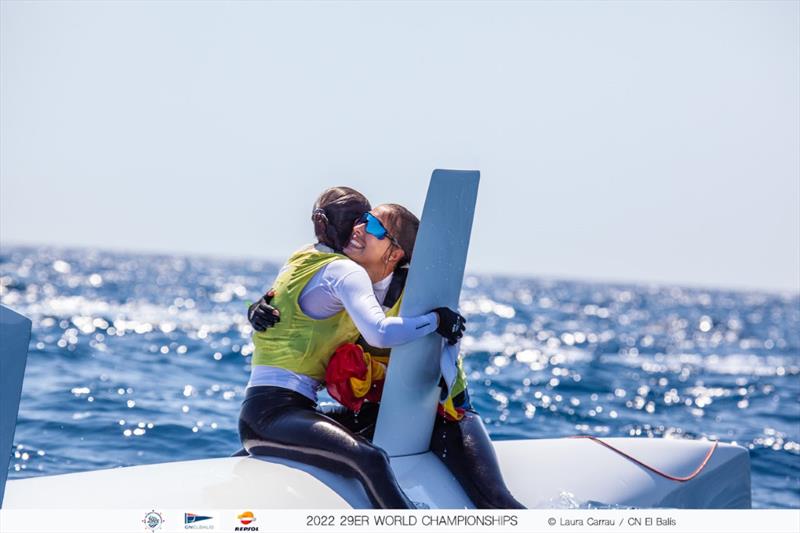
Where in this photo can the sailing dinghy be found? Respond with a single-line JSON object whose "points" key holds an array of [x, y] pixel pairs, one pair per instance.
{"points": [[541, 473]]}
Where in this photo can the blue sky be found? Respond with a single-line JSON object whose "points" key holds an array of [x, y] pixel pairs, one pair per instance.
{"points": [[646, 142]]}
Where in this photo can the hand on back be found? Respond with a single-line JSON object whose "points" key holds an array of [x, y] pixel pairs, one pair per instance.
{"points": [[261, 314]]}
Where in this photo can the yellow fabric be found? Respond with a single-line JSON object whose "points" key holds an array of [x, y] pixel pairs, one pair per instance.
{"points": [[450, 409], [298, 342], [376, 371], [460, 384], [381, 359]]}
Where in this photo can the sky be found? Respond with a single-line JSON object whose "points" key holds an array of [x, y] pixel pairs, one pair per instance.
{"points": [[647, 142]]}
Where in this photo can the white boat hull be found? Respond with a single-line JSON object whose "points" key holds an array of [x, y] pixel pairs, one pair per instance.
{"points": [[542, 473]]}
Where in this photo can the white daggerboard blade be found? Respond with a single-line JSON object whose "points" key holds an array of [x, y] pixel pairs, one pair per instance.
{"points": [[15, 334], [411, 392]]}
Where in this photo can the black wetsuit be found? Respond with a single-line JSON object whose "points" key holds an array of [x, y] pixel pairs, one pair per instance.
{"points": [[283, 423], [463, 446]]}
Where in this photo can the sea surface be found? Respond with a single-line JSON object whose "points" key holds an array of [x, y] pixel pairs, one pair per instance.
{"points": [[138, 359]]}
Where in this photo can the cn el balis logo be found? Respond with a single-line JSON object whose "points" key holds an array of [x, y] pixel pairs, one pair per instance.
{"points": [[153, 520], [246, 518], [196, 521]]}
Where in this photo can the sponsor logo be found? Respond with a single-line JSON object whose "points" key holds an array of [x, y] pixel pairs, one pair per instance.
{"points": [[153, 520], [191, 518], [190, 521], [246, 518]]}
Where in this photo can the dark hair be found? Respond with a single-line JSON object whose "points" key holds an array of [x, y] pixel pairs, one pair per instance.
{"points": [[334, 213], [403, 225]]}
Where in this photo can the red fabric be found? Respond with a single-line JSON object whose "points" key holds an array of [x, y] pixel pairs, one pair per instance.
{"points": [[349, 361]]}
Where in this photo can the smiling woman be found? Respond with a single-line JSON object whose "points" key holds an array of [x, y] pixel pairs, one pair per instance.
{"points": [[375, 248], [279, 416]]}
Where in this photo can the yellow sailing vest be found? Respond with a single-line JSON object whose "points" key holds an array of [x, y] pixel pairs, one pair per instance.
{"points": [[298, 342]]}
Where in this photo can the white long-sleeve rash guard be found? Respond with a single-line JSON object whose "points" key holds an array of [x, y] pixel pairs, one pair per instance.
{"points": [[344, 284]]}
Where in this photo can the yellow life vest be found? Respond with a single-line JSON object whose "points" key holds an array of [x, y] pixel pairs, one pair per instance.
{"points": [[298, 342]]}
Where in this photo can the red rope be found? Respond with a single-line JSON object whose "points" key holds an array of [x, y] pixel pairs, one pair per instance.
{"points": [[653, 469]]}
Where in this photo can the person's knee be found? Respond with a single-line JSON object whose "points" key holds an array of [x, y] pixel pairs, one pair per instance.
{"points": [[257, 446], [245, 431], [373, 459]]}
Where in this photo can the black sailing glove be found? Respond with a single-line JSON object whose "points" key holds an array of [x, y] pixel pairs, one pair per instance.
{"points": [[451, 324], [262, 315]]}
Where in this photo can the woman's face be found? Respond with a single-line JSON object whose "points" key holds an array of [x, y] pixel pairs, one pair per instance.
{"points": [[366, 249]]}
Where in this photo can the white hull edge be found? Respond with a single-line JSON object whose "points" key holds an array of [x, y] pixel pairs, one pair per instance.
{"points": [[544, 473]]}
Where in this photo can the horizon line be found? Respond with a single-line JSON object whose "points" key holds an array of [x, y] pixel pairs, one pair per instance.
{"points": [[783, 291]]}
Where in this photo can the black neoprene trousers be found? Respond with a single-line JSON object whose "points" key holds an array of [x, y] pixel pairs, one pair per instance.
{"points": [[283, 423], [466, 450], [463, 446]]}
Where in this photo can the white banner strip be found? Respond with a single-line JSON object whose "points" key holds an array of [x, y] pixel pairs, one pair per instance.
{"points": [[371, 521]]}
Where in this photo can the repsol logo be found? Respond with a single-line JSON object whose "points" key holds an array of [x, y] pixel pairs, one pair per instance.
{"points": [[246, 528]]}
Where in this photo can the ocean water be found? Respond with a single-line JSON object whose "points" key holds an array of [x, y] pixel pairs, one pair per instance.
{"points": [[139, 359]]}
